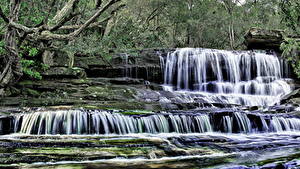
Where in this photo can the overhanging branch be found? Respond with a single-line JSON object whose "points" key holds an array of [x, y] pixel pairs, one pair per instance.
{"points": [[93, 25], [42, 33], [23, 28], [61, 15], [65, 20], [94, 17]]}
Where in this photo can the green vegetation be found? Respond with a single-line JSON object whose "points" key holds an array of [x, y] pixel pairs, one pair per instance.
{"points": [[291, 51], [135, 112], [158, 23], [2, 49], [290, 13], [280, 160], [41, 28]]}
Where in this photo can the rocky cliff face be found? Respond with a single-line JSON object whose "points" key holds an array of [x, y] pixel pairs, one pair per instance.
{"points": [[139, 64], [128, 81], [257, 38]]}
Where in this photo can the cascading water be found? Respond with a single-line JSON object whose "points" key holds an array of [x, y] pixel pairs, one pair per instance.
{"points": [[212, 76], [109, 122], [231, 77]]}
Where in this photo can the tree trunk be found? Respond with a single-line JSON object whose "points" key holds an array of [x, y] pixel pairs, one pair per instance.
{"points": [[12, 70]]}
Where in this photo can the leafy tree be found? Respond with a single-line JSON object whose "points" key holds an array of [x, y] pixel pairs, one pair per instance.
{"points": [[30, 29], [55, 21], [290, 12]]}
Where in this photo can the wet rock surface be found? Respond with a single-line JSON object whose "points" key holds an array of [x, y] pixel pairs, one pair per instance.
{"points": [[151, 151], [292, 98], [131, 83], [92, 92], [101, 93], [64, 72]]}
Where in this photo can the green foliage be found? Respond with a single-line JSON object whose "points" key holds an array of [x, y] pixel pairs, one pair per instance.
{"points": [[290, 12], [2, 49], [33, 52], [33, 12], [28, 68], [31, 65], [154, 24], [291, 51], [201, 23]]}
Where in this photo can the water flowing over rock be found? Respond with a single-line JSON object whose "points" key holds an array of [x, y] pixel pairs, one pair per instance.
{"points": [[110, 122], [231, 77], [192, 117]]}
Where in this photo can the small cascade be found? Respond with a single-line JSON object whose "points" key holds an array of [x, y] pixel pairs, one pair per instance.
{"points": [[112, 122], [227, 123], [231, 77], [127, 72], [1, 127]]}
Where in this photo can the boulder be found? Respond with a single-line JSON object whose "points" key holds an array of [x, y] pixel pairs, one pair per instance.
{"points": [[60, 59], [141, 64], [257, 38], [293, 97], [64, 72], [90, 61]]}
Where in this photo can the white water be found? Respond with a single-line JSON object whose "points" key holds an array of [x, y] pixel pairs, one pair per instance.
{"points": [[218, 76], [107, 122]]}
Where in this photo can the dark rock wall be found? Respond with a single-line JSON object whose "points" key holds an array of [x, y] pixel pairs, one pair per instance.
{"points": [[140, 64], [257, 38]]}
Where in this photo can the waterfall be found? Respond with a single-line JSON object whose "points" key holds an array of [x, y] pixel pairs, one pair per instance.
{"points": [[1, 127], [113, 122], [232, 77]]}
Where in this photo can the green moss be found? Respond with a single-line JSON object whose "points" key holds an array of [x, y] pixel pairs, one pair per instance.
{"points": [[123, 141], [89, 107], [135, 112], [80, 81], [133, 151], [280, 159], [110, 93], [6, 113], [26, 82], [76, 152], [61, 166], [122, 105], [31, 92]]}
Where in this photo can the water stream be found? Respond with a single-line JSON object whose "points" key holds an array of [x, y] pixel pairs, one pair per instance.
{"points": [[217, 137], [113, 122], [232, 77]]}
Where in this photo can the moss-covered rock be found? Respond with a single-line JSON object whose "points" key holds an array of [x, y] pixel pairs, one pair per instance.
{"points": [[110, 93], [30, 92], [64, 72]]}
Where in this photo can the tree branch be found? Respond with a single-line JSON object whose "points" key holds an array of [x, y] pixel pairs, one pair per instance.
{"points": [[65, 20], [24, 28], [60, 16], [94, 17], [93, 25], [37, 34], [117, 9]]}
